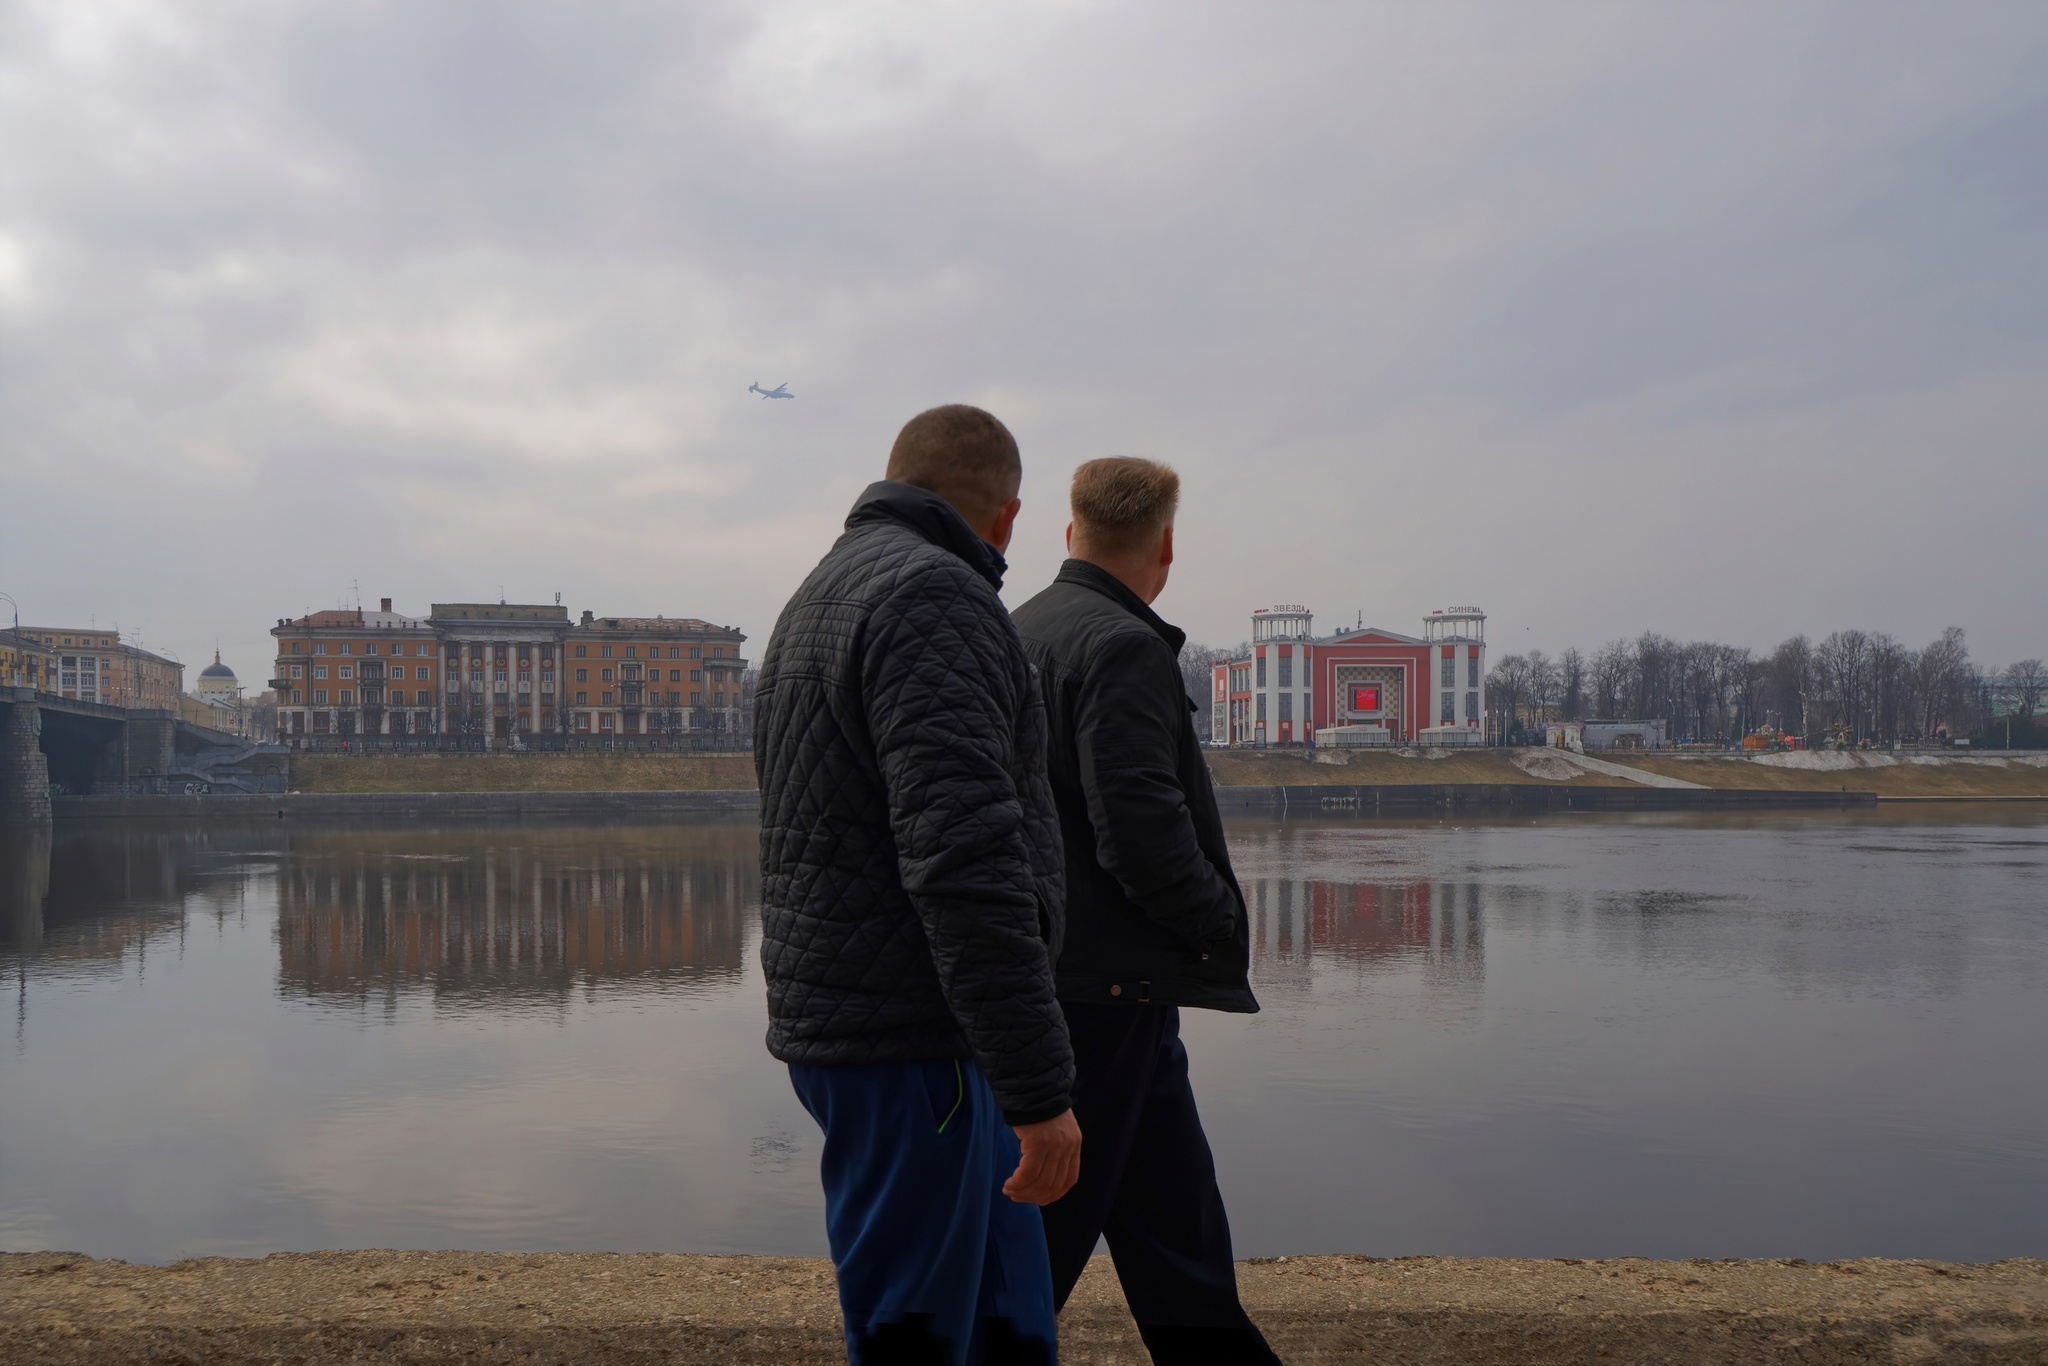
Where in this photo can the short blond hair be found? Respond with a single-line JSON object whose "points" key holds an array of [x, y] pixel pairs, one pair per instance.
{"points": [[1122, 503]]}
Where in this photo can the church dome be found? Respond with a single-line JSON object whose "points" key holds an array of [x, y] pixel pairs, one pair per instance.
{"points": [[218, 677]]}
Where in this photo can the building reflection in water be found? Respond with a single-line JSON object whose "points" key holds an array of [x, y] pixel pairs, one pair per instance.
{"points": [[1365, 922], [81, 898], [495, 916]]}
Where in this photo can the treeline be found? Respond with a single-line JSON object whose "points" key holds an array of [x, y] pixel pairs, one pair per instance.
{"points": [[1862, 685]]}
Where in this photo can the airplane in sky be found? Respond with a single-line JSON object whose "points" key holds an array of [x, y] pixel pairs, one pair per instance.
{"points": [[779, 391]]}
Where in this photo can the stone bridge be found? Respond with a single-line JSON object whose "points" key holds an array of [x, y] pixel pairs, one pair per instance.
{"points": [[57, 743]]}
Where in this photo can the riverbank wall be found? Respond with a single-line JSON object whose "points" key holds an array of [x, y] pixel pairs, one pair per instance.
{"points": [[485, 1309], [1394, 799]]}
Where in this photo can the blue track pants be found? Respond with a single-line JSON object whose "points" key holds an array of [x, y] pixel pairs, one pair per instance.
{"points": [[935, 1264]]}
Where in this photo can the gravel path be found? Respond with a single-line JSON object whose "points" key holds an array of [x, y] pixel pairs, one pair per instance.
{"points": [[595, 1309]]}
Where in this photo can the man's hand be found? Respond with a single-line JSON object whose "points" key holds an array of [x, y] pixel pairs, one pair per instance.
{"points": [[1050, 1163]]}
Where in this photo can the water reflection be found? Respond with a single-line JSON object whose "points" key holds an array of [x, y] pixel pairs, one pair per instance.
{"points": [[1782, 1035], [1297, 922], [364, 916]]}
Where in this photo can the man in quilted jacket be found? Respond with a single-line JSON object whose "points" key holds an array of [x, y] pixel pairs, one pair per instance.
{"points": [[1155, 920], [912, 901]]}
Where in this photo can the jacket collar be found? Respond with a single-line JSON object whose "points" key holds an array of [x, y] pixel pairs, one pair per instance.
{"points": [[1110, 586], [931, 517]]}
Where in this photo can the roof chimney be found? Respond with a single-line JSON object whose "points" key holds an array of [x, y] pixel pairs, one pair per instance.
{"points": [[383, 604]]}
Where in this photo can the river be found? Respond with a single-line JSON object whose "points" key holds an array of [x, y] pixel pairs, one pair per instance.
{"points": [[1811, 1035]]}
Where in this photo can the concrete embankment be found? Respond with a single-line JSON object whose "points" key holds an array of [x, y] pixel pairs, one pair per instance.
{"points": [[1324, 799], [597, 1309]]}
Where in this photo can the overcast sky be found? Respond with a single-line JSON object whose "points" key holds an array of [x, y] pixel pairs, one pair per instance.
{"points": [[1726, 321]]}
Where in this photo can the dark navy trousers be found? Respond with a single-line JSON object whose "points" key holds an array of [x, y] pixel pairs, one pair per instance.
{"points": [[935, 1264], [1148, 1185]]}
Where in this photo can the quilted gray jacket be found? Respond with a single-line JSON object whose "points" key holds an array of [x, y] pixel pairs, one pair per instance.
{"points": [[911, 861]]}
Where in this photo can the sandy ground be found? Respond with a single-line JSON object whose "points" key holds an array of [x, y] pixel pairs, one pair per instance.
{"points": [[1903, 776], [596, 1309]]}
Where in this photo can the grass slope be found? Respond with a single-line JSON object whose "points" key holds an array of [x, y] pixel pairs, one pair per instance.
{"points": [[586, 772], [1918, 775]]}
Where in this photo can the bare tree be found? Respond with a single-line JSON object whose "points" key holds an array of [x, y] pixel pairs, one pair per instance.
{"points": [[1571, 685], [1507, 682], [1613, 677], [2025, 680], [1197, 676], [1541, 687]]}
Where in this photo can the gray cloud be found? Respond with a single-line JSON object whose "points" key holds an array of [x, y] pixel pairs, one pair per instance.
{"points": [[1719, 321]]}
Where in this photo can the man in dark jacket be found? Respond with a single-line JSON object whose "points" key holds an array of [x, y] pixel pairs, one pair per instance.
{"points": [[1155, 920], [911, 906]]}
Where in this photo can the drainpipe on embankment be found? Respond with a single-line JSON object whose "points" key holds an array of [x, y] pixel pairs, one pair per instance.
{"points": [[488, 1309]]}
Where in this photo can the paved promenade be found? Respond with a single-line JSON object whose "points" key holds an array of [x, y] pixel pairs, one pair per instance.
{"points": [[597, 1309]]}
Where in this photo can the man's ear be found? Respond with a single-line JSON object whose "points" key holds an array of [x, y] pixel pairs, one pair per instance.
{"points": [[1166, 546], [1070, 538]]}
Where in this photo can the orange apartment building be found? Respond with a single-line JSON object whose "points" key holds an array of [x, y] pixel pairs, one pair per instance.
{"points": [[93, 664], [493, 672]]}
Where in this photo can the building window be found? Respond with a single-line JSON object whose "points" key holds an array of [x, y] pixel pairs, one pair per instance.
{"points": [[454, 684], [605, 674], [420, 649], [295, 647], [398, 671], [675, 652], [605, 651], [632, 652], [1286, 672], [298, 671], [580, 649], [583, 675], [348, 697], [319, 671], [696, 675], [1450, 672], [607, 700], [298, 697], [582, 698], [1472, 669], [319, 697], [1261, 667], [696, 652], [497, 675], [1450, 709], [1286, 702], [1471, 706], [345, 671], [347, 648], [320, 647], [1262, 706], [696, 698]]}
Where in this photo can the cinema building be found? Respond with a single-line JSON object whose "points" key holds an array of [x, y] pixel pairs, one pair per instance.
{"points": [[495, 672], [1366, 686]]}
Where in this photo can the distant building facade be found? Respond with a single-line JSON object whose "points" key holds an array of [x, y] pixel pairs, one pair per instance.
{"points": [[95, 665], [25, 662], [1363, 686], [497, 671]]}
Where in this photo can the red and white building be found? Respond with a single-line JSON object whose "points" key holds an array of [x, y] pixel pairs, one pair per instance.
{"points": [[1366, 686]]}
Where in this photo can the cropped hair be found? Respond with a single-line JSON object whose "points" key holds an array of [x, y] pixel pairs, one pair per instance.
{"points": [[1122, 503], [961, 453]]}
